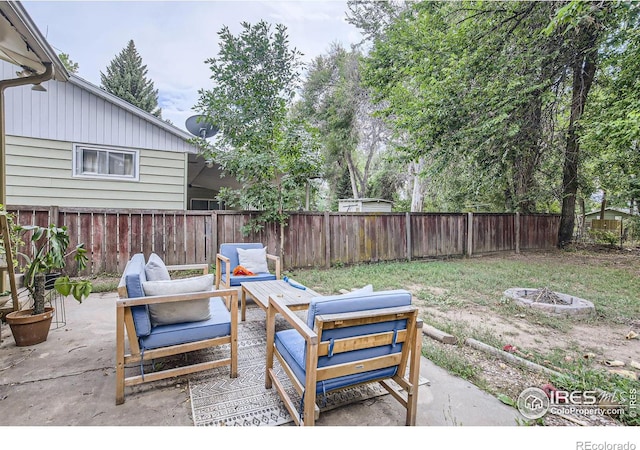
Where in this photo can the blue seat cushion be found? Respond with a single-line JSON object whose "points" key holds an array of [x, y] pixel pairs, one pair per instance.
{"points": [[235, 280], [231, 252], [291, 345], [219, 324], [134, 275], [335, 304]]}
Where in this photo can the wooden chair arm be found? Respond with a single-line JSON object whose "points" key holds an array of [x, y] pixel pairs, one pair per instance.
{"points": [[277, 261], [223, 258], [307, 333], [220, 259]]}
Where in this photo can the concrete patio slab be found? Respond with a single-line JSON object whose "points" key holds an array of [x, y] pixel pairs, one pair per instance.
{"points": [[70, 380]]}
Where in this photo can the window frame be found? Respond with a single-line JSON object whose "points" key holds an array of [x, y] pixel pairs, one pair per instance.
{"points": [[78, 148], [209, 201]]}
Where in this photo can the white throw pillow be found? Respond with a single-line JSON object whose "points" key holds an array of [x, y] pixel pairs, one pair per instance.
{"points": [[368, 289], [178, 312], [155, 269], [254, 260]]}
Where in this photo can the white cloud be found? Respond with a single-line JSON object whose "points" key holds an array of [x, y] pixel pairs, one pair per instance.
{"points": [[174, 38]]}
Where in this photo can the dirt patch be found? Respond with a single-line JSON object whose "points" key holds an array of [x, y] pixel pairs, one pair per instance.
{"points": [[572, 339]]}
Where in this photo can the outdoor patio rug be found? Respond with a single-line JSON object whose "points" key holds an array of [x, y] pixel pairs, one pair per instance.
{"points": [[217, 400]]}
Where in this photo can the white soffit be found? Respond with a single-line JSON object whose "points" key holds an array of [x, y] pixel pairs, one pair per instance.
{"points": [[14, 49]]}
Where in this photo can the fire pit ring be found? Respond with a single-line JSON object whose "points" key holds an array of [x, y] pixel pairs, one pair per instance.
{"points": [[567, 306]]}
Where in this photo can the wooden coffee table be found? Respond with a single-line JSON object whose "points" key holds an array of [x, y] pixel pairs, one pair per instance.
{"points": [[294, 298]]}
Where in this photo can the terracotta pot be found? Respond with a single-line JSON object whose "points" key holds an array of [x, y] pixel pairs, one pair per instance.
{"points": [[28, 329]]}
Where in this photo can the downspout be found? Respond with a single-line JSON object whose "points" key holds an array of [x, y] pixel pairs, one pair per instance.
{"points": [[35, 79]]}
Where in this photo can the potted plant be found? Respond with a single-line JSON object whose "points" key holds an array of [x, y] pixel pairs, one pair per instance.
{"points": [[48, 255]]}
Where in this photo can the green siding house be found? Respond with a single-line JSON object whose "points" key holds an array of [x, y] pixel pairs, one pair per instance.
{"points": [[69, 143]]}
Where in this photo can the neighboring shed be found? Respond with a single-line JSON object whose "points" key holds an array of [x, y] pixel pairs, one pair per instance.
{"points": [[609, 214], [364, 205]]}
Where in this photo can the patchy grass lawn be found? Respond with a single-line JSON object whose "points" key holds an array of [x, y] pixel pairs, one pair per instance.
{"points": [[612, 285]]}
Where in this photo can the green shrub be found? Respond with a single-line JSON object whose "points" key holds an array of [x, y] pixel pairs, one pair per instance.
{"points": [[605, 237]]}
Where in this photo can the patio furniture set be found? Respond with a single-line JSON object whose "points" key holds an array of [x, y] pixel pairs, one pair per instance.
{"points": [[347, 340]]}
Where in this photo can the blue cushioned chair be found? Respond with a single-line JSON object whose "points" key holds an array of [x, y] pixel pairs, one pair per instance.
{"points": [[346, 341], [148, 342], [227, 260]]}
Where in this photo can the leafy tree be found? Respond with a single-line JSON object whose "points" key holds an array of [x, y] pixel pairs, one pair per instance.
{"points": [[353, 139], [126, 78], [68, 63], [270, 152], [492, 96], [611, 137], [466, 82]]}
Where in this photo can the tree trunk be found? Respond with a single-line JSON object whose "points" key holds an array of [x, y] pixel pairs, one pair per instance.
{"points": [[352, 175], [417, 195], [38, 293], [603, 205], [583, 214], [584, 68]]}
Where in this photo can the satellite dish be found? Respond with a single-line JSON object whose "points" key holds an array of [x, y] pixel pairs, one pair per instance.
{"points": [[198, 127]]}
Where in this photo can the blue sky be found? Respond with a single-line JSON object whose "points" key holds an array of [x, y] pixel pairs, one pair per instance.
{"points": [[174, 38]]}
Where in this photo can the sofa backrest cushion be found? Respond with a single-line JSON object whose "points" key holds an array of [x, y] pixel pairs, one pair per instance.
{"points": [[155, 269], [231, 251], [311, 314], [133, 277], [179, 312]]}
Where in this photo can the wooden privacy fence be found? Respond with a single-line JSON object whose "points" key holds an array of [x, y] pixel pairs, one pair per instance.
{"points": [[311, 239]]}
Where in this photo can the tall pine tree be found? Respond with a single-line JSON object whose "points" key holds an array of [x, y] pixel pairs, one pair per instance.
{"points": [[126, 78]]}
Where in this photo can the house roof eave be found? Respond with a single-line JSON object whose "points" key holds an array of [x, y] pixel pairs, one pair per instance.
{"points": [[36, 44]]}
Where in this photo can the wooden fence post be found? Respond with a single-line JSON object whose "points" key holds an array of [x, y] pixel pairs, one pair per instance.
{"points": [[517, 232], [327, 241], [470, 234], [214, 237], [54, 215], [407, 218]]}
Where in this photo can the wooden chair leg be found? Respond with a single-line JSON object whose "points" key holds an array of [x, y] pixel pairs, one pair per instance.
{"points": [[119, 356], [414, 376]]}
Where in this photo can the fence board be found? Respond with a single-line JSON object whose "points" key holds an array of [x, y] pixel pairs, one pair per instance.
{"points": [[85, 234], [136, 233], [97, 253], [182, 237]]}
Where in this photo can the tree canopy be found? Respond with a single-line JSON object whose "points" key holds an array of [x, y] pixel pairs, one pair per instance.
{"points": [[126, 77], [492, 95], [270, 152]]}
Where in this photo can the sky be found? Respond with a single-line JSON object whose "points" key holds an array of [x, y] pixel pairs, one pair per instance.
{"points": [[174, 38]]}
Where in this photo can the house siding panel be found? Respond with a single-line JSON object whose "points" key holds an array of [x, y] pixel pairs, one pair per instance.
{"points": [[72, 112], [161, 183]]}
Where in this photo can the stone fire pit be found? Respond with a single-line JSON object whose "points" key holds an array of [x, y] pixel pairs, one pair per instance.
{"points": [[552, 303]]}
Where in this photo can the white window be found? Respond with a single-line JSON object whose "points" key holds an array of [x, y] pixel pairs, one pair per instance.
{"points": [[101, 162]]}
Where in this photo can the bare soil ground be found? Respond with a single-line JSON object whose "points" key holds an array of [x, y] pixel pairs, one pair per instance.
{"points": [[597, 340]]}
